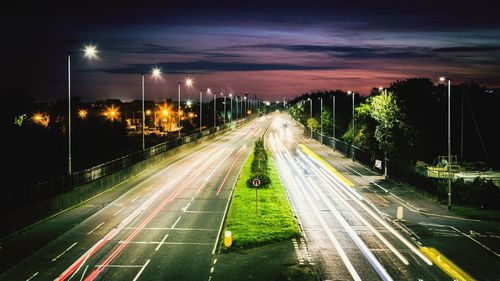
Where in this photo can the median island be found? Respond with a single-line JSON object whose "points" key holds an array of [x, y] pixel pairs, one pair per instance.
{"points": [[271, 219]]}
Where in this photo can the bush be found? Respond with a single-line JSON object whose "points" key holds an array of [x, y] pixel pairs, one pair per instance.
{"points": [[259, 167], [478, 193]]}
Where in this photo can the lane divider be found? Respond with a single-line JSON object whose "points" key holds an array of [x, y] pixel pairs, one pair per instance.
{"points": [[326, 164]]}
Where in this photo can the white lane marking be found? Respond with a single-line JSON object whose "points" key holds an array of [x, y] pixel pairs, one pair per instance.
{"points": [[212, 269], [118, 211], [187, 206], [204, 212], [90, 232], [119, 265], [135, 199], [227, 206], [147, 189], [140, 271], [330, 186], [175, 223], [54, 259], [215, 261], [83, 273], [161, 243], [355, 196], [179, 228], [32, 276]]}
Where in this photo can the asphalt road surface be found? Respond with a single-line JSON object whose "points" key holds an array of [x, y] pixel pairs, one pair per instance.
{"points": [[166, 227], [348, 238]]}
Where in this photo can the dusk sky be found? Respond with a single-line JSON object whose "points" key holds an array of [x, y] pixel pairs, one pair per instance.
{"points": [[268, 48]]}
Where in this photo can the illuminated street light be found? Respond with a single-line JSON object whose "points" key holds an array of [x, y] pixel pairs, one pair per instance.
{"points": [[443, 79], [231, 100], [112, 113], [188, 82], [89, 52], [41, 119], [333, 121], [82, 113], [189, 103], [156, 73], [353, 134], [148, 112]]}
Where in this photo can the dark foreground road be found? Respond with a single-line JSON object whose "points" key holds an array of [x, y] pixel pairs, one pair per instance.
{"points": [[165, 227]]}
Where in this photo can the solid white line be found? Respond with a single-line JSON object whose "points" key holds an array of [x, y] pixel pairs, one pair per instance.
{"points": [[118, 211], [119, 265], [96, 228], [161, 243], [32, 276], [140, 271], [135, 199], [83, 273], [178, 219], [215, 261], [186, 207], [54, 259]]}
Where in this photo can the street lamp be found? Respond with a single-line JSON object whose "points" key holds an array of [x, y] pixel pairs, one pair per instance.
{"points": [[333, 122], [188, 82], [321, 118], [310, 112], [353, 134], [443, 79], [231, 100], [215, 105], [201, 105], [385, 153], [155, 72], [89, 52], [224, 106]]}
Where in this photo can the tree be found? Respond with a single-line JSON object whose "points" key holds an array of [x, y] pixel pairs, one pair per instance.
{"points": [[392, 131], [326, 122], [312, 124]]}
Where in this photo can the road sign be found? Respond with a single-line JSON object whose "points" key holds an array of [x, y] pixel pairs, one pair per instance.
{"points": [[256, 182]]}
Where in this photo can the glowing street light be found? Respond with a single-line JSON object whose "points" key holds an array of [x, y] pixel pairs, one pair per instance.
{"points": [[89, 52], [148, 112], [353, 134], [82, 113], [156, 73], [201, 106], [443, 79], [112, 113], [231, 100], [188, 82]]}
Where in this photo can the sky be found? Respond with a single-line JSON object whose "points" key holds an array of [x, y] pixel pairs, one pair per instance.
{"points": [[272, 49]]}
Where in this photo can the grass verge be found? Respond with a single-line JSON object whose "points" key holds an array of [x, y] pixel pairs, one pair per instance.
{"points": [[275, 220], [475, 213]]}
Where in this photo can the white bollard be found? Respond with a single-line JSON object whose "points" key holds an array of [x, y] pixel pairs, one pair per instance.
{"points": [[399, 213]]}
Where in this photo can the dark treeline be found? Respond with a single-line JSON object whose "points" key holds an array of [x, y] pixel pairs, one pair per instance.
{"points": [[409, 120]]}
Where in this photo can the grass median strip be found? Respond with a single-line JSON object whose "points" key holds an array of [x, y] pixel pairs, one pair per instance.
{"points": [[275, 220]]}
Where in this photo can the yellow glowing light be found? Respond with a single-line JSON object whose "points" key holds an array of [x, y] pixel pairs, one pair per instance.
{"points": [[249, 112], [180, 112], [164, 112], [41, 119], [191, 115], [90, 51], [82, 113], [112, 113], [156, 72], [189, 103], [189, 82], [148, 112]]}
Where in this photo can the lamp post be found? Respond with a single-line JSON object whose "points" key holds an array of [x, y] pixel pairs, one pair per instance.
{"points": [[156, 72], [333, 122], [89, 52], [201, 105], [310, 112], [353, 132], [321, 118], [385, 153], [224, 107], [215, 105], [231, 101], [442, 79], [188, 82]]}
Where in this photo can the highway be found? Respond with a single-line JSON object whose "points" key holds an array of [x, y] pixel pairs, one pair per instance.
{"points": [[165, 227], [348, 238]]}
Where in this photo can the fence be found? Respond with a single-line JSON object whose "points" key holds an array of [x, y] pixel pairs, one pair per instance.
{"points": [[347, 150], [50, 188]]}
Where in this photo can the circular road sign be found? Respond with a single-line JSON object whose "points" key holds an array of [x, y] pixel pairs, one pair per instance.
{"points": [[256, 182]]}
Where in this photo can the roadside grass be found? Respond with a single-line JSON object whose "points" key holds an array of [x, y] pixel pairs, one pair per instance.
{"points": [[275, 220], [475, 213]]}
